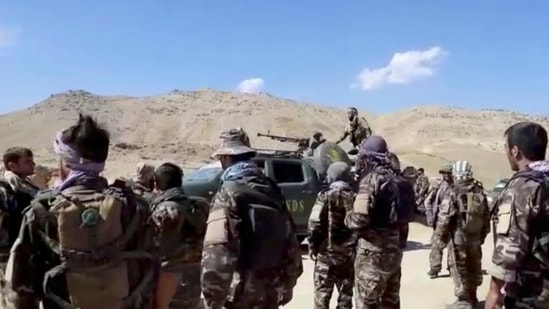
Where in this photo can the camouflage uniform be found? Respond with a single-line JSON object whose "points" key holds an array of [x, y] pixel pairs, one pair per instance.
{"points": [[521, 251], [432, 208], [464, 243], [358, 128], [180, 247], [35, 253], [144, 176], [331, 243], [421, 189], [374, 219], [231, 275]]}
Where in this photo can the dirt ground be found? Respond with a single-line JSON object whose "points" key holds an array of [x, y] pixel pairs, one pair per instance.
{"points": [[417, 290]]}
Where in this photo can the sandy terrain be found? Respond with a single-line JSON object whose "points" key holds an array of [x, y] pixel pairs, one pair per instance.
{"points": [[184, 126], [417, 290]]}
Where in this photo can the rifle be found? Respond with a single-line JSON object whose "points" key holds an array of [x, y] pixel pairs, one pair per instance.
{"points": [[302, 143]]}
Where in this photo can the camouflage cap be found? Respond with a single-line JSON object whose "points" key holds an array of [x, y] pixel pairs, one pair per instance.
{"points": [[234, 142]]}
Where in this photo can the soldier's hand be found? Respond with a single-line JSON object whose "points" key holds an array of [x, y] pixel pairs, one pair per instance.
{"points": [[312, 255], [286, 297]]}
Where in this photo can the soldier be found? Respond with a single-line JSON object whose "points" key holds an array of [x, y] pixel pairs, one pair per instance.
{"points": [[179, 227], [519, 261], [84, 244], [331, 243], [432, 207], [374, 218], [358, 128], [19, 166], [251, 255], [464, 222], [143, 183], [407, 200], [421, 187]]}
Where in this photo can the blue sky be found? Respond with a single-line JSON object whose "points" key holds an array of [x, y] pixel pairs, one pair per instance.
{"points": [[479, 54]]}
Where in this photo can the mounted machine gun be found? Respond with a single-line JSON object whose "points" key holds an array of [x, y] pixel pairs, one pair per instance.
{"points": [[302, 143]]}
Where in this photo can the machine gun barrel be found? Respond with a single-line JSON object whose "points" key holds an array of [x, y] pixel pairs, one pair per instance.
{"points": [[283, 139]]}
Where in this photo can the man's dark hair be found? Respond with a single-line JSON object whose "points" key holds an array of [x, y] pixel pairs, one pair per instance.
{"points": [[167, 176], [243, 157], [530, 138], [13, 154], [421, 170], [88, 138]]}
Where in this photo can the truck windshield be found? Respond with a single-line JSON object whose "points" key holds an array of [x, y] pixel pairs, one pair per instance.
{"points": [[203, 174]]}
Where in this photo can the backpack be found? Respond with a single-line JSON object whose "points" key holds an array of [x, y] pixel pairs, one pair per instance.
{"points": [[264, 230], [385, 212], [197, 215], [89, 231], [471, 207]]}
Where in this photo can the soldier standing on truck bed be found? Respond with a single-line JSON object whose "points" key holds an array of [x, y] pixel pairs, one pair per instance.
{"points": [[358, 128], [251, 256]]}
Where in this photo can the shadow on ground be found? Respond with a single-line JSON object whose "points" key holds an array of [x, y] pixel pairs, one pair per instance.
{"points": [[414, 245], [421, 219]]}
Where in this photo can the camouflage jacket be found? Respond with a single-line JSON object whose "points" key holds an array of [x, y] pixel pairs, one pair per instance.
{"points": [[371, 193], [144, 192], [433, 200], [521, 251], [222, 279], [358, 129], [35, 253], [421, 186], [176, 243], [450, 220], [327, 231]]}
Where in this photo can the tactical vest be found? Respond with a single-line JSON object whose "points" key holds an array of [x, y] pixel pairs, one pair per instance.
{"points": [[340, 200], [181, 241], [385, 212], [471, 208], [101, 249], [264, 230]]}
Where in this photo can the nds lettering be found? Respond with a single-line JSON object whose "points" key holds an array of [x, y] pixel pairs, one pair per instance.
{"points": [[295, 205]]}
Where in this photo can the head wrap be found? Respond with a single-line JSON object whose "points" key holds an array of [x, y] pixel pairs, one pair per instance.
{"points": [[79, 167], [144, 172], [338, 171], [374, 153]]}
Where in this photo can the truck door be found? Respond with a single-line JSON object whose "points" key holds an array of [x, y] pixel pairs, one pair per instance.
{"points": [[299, 184]]}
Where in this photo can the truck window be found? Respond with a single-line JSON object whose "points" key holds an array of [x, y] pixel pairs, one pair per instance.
{"points": [[285, 172]]}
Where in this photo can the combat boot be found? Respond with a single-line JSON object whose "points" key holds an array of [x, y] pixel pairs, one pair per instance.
{"points": [[433, 274]]}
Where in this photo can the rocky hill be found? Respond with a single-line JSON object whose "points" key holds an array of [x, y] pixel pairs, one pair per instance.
{"points": [[183, 126]]}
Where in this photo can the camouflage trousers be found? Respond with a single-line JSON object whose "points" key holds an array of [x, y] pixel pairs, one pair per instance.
{"points": [[189, 292], [435, 255], [333, 271], [259, 290], [377, 279], [466, 270]]}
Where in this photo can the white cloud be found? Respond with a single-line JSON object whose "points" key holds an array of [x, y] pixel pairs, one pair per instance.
{"points": [[403, 68], [8, 37], [252, 85]]}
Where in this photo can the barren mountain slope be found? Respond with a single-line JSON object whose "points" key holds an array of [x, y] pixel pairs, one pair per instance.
{"points": [[184, 127]]}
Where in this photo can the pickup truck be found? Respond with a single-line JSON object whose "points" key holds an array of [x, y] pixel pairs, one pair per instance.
{"points": [[296, 176]]}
